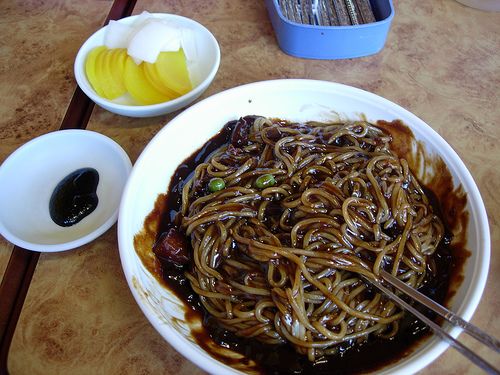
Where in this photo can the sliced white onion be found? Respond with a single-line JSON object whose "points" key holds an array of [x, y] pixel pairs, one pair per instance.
{"points": [[147, 36], [117, 35], [188, 44], [148, 41], [173, 42], [141, 19]]}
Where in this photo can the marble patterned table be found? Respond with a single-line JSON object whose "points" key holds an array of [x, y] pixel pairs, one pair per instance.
{"points": [[441, 61]]}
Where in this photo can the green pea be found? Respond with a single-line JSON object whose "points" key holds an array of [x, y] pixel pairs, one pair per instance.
{"points": [[216, 184], [265, 180]]}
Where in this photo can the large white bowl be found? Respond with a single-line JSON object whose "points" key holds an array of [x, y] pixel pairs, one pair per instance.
{"points": [[297, 100], [202, 70]]}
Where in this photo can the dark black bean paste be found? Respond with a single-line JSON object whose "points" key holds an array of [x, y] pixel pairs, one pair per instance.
{"points": [[74, 197]]}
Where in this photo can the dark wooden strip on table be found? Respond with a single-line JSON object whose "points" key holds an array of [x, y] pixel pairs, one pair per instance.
{"points": [[13, 289], [22, 262]]}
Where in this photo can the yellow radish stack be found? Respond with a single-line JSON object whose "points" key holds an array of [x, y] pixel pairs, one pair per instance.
{"points": [[112, 73]]}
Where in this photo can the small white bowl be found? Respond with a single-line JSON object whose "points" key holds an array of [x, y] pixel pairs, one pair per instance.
{"points": [[202, 71], [30, 174]]}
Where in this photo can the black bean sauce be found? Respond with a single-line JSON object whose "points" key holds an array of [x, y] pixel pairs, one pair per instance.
{"points": [[74, 197], [352, 358]]}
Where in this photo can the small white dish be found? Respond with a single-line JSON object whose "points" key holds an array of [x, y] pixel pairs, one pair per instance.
{"points": [[202, 71], [30, 174]]}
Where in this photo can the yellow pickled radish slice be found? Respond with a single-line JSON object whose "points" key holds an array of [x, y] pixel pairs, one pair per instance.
{"points": [[153, 78], [172, 70], [109, 88], [90, 69], [121, 58], [117, 65], [113, 83], [138, 86], [102, 75]]}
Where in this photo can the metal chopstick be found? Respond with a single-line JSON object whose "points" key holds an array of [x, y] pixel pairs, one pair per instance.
{"points": [[327, 12], [473, 357], [454, 319]]}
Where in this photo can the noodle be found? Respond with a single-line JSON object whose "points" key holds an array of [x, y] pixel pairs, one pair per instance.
{"points": [[282, 263]]}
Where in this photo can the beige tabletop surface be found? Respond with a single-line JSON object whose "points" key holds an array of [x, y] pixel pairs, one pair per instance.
{"points": [[441, 61]]}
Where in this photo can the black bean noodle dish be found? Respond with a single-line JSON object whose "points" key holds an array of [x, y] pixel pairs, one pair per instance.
{"points": [[272, 228]]}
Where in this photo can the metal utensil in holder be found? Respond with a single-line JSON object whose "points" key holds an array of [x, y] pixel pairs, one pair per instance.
{"points": [[331, 29]]}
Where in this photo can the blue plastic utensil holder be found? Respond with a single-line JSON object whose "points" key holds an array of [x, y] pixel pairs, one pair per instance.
{"points": [[332, 42]]}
